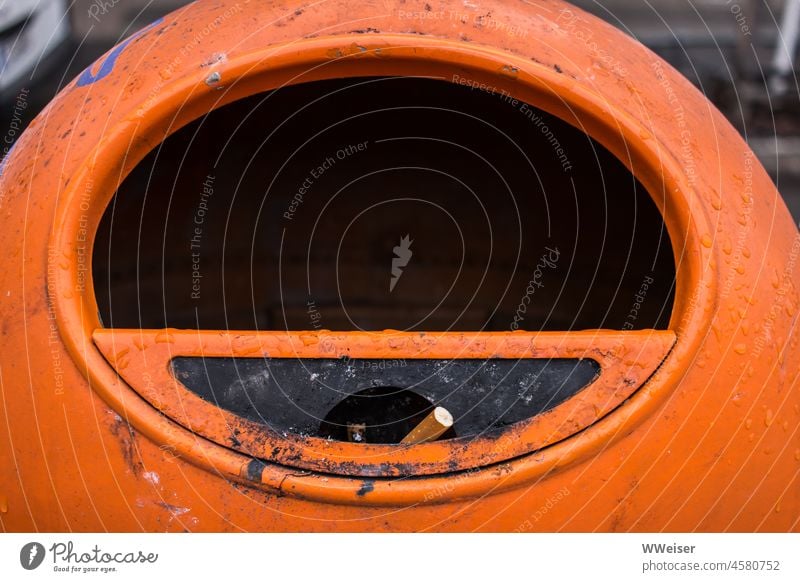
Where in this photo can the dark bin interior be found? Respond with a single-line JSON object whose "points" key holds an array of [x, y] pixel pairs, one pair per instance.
{"points": [[288, 210]]}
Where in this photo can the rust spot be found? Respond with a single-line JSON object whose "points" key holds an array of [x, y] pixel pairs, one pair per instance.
{"points": [[254, 470], [367, 486], [509, 71], [127, 441], [479, 20], [234, 439]]}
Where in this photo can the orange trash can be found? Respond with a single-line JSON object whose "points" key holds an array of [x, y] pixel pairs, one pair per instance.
{"points": [[255, 245]]}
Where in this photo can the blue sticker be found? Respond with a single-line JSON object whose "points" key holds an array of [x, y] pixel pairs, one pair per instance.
{"points": [[87, 78]]}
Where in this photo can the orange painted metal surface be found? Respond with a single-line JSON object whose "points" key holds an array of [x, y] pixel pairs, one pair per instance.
{"points": [[710, 441], [627, 360]]}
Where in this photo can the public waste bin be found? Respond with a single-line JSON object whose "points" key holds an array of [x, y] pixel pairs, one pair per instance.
{"points": [[254, 246]]}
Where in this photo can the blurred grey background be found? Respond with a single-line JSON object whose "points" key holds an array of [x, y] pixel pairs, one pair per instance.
{"points": [[740, 53]]}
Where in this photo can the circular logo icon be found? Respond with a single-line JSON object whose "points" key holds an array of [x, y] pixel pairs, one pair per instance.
{"points": [[31, 555]]}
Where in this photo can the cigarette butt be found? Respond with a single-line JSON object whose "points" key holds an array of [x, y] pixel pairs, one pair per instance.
{"points": [[356, 433], [431, 428]]}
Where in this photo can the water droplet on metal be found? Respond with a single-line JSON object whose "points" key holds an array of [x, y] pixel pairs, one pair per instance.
{"points": [[727, 247], [164, 337]]}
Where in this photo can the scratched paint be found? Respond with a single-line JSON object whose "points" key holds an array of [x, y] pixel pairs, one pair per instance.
{"points": [[107, 64]]}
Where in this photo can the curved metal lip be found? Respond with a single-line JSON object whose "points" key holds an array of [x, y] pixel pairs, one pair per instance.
{"points": [[188, 98], [626, 359]]}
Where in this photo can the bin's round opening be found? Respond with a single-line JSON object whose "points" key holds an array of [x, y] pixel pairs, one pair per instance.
{"points": [[351, 201], [382, 203]]}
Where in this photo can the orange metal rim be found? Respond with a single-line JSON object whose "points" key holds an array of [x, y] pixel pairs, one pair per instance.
{"points": [[627, 360], [189, 98]]}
